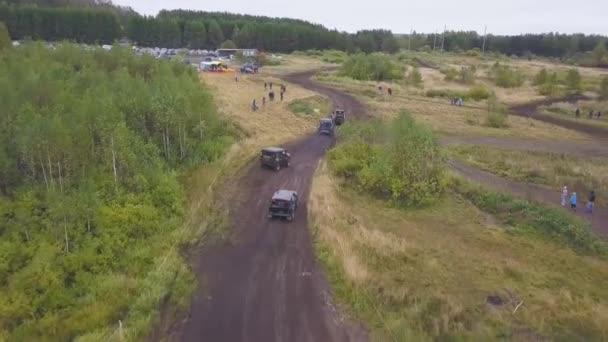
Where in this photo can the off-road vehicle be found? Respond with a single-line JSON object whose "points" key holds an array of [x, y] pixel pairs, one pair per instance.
{"points": [[283, 204], [326, 126], [275, 158], [338, 116]]}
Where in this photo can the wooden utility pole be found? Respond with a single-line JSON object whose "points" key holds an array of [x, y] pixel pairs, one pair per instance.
{"points": [[445, 27], [483, 46], [409, 41]]}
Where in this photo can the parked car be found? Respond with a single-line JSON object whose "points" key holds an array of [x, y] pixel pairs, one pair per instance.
{"points": [[283, 204], [326, 126], [338, 116], [275, 158]]}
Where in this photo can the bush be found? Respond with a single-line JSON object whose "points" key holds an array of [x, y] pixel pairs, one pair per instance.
{"points": [[541, 78], [530, 217], [5, 38], [506, 77], [373, 67], [450, 73], [414, 77], [604, 88], [399, 161], [479, 92], [475, 52], [497, 114], [574, 82], [467, 74]]}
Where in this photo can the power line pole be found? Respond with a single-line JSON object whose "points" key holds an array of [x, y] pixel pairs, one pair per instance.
{"points": [[409, 41], [485, 34], [445, 27]]}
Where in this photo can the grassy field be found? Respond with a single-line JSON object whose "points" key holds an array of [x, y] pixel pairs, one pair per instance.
{"points": [[567, 110], [439, 114], [314, 106], [453, 271], [551, 169]]}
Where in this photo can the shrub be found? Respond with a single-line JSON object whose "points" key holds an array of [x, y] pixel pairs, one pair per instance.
{"points": [[497, 114], [446, 93], [541, 78], [450, 73], [573, 82], [604, 88], [475, 52], [479, 92], [529, 217], [400, 161], [5, 38], [374, 67], [550, 86], [467, 74], [414, 77], [506, 77]]}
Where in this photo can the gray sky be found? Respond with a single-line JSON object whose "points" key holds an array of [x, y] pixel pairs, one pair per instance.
{"points": [[502, 17]]}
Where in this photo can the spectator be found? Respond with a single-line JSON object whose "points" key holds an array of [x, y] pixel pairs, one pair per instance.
{"points": [[591, 114], [564, 195], [254, 106], [264, 101], [282, 96], [573, 201], [591, 202], [390, 91], [265, 85], [599, 114], [578, 112]]}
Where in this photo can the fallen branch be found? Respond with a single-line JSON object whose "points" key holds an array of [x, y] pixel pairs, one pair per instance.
{"points": [[517, 307]]}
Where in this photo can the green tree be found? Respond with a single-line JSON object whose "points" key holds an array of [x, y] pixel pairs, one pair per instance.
{"points": [[229, 44], [573, 81], [5, 39], [550, 86], [541, 78], [604, 88], [415, 77], [390, 45], [215, 35], [599, 53], [198, 35]]}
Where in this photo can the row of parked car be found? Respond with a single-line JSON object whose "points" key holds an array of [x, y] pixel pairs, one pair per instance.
{"points": [[284, 203]]}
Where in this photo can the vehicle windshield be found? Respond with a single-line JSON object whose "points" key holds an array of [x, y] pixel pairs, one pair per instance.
{"points": [[280, 203], [269, 153]]}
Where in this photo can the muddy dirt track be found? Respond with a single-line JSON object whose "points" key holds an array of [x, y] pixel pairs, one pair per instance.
{"points": [[266, 285]]}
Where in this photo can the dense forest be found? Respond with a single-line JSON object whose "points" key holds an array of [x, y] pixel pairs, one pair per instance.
{"points": [[101, 22], [91, 143]]}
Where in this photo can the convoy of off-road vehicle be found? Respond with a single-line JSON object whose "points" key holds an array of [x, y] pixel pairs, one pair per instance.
{"points": [[284, 202], [275, 158], [339, 116]]}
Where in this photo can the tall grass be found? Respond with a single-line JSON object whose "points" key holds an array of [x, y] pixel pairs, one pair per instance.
{"points": [[373, 67]]}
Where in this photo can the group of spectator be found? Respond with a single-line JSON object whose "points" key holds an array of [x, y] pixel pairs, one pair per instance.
{"points": [[574, 200]]}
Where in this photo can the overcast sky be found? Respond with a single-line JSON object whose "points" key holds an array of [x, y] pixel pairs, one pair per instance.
{"points": [[502, 17]]}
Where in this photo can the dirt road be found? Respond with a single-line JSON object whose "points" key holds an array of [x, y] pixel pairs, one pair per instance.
{"points": [[266, 285], [580, 148]]}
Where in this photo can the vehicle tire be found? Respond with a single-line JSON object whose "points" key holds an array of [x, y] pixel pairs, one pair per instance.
{"points": [[290, 218], [277, 168]]}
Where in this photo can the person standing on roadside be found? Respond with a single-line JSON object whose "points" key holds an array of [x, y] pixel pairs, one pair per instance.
{"points": [[591, 202], [578, 112], [265, 85], [573, 201], [564, 195]]}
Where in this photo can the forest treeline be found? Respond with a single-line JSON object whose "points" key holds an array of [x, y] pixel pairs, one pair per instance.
{"points": [[90, 148], [196, 29]]}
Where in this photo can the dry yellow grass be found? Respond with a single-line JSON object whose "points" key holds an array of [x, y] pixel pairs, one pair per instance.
{"points": [[234, 102], [443, 117], [290, 64], [425, 274]]}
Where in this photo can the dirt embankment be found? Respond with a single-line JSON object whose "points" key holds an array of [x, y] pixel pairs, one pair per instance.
{"points": [[265, 284]]}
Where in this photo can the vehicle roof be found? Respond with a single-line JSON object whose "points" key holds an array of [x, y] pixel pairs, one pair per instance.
{"points": [[284, 195], [273, 149], [326, 120]]}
